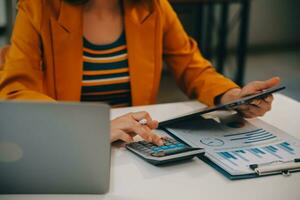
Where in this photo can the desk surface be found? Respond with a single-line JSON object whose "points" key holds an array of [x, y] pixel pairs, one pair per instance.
{"points": [[134, 179]]}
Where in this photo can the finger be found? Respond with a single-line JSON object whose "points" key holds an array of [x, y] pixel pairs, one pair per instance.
{"points": [[141, 131], [132, 134], [120, 135], [156, 139], [154, 124], [246, 114], [140, 115], [256, 111], [145, 133], [269, 98], [256, 102], [258, 86], [243, 107], [145, 115], [264, 105], [126, 137], [250, 111], [262, 85]]}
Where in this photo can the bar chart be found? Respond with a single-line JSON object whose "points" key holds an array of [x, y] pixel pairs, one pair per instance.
{"points": [[236, 149], [253, 136], [257, 155]]}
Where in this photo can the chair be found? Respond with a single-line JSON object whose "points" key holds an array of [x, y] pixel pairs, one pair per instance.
{"points": [[11, 11], [215, 19]]}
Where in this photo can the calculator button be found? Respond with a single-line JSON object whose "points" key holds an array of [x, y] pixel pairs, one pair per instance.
{"points": [[156, 149], [137, 147], [174, 151], [180, 145], [143, 142], [158, 154], [148, 151], [134, 145]]}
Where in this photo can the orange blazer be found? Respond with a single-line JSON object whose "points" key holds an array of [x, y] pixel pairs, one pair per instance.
{"points": [[44, 61]]}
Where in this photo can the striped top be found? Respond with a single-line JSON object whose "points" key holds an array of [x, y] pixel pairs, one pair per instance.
{"points": [[106, 73]]}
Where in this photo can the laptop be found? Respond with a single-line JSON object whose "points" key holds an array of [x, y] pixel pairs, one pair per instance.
{"points": [[54, 148]]}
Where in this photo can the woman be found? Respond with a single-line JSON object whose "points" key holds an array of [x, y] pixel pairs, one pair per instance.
{"points": [[111, 51]]}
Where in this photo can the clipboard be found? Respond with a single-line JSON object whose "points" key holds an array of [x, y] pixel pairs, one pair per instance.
{"points": [[281, 168], [214, 165]]}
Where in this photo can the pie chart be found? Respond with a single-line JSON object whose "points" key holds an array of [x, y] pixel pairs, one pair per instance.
{"points": [[214, 142]]}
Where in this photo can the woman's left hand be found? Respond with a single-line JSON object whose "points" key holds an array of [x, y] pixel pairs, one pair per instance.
{"points": [[257, 107]]}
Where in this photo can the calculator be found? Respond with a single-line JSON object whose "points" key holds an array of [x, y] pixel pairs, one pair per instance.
{"points": [[171, 151]]}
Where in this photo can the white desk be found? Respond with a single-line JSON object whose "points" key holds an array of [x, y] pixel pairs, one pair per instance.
{"points": [[134, 179]]}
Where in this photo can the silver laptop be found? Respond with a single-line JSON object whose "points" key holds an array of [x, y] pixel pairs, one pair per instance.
{"points": [[54, 148]]}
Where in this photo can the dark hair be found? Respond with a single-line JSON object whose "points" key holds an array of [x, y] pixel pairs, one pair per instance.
{"points": [[78, 2]]}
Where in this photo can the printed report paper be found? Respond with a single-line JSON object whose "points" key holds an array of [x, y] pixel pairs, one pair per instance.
{"points": [[234, 148]]}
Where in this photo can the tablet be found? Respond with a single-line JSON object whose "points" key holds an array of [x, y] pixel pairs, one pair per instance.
{"points": [[228, 106]]}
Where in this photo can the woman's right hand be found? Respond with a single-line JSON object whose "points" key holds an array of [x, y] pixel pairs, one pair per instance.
{"points": [[127, 126]]}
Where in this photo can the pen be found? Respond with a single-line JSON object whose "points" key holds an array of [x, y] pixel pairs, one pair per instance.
{"points": [[285, 167]]}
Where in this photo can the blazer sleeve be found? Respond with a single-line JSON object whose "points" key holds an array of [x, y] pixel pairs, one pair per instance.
{"points": [[194, 74], [22, 76]]}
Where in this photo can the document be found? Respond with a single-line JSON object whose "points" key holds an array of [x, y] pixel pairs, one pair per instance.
{"points": [[235, 144]]}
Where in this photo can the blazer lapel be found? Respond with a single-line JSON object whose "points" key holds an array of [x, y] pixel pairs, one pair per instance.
{"points": [[67, 51], [140, 37]]}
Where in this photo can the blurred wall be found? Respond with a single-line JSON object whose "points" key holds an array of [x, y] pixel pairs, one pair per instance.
{"points": [[272, 22], [2, 13], [275, 22]]}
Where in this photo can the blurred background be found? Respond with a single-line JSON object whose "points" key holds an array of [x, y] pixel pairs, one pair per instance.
{"points": [[245, 39]]}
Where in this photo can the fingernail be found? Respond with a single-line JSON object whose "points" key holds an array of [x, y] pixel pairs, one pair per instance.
{"points": [[256, 102], [161, 143], [268, 99]]}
